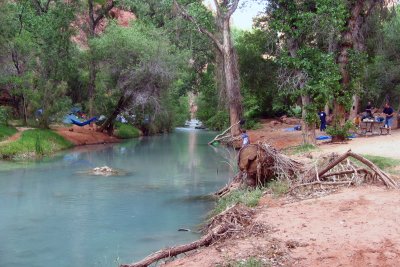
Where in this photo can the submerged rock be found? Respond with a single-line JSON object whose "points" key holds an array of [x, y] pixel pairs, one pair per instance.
{"points": [[104, 171]]}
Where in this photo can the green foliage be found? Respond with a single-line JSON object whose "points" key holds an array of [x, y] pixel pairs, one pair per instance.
{"points": [[302, 149], [278, 188], [210, 111], [34, 143], [126, 131], [6, 131], [250, 262], [4, 115], [248, 197], [342, 132]]}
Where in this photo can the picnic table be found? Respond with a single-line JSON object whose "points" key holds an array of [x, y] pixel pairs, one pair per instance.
{"points": [[368, 126]]}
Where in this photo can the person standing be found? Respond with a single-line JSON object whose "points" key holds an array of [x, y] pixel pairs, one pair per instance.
{"points": [[322, 118], [245, 138], [388, 110]]}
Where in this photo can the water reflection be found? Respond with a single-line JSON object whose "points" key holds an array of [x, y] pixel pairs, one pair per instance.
{"points": [[49, 214]]}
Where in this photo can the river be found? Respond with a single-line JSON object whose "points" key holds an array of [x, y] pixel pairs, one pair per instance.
{"points": [[52, 213]]}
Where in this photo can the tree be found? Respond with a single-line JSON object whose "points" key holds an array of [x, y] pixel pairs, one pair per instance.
{"points": [[96, 14], [226, 58], [351, 40], [307, 66], [138, 65]]}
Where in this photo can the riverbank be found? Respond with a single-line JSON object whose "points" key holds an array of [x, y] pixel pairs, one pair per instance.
{"points": [[354, 226], [26, 143]]}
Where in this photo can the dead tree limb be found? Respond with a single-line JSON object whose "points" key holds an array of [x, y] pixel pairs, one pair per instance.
{"points": [[221, 135], [171, 252], [384, 177], [389, 182], [343, 172]]}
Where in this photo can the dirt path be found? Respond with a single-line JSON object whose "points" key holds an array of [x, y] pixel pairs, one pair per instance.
{"points": [[379, 145], [15, 136]]}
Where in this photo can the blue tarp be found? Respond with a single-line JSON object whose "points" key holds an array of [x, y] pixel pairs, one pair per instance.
{"points": [[68, 119], [323, 137]]}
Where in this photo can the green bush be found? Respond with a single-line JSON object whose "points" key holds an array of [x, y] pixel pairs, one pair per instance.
{"points": [[6, 131], [4, 115], [34, 143], [341, 132], [126, 131], [248, 197]]}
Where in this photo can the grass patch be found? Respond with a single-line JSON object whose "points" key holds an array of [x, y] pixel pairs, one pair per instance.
{"points": [[247, 197], [250, 262], [300, 149], [6, 131], [126, 131], [278, 188], [383, 162], [34, 143]]}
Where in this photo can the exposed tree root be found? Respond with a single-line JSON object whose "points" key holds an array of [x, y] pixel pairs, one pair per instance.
{"points": [[221, 226]]}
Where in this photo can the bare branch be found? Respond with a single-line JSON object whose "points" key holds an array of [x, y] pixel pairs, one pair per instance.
{"points": [[190, 18], [102, 12], [233, 8]]}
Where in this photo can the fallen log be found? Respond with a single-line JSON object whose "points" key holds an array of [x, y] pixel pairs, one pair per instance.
{"points": [[343, 172], [384, 177], [174, 251], [220, 226]]}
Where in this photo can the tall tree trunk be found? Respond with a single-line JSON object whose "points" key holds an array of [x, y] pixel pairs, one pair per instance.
{"points": [[95, 16], [226, 57], [91, 85], [355, 107], [308, 129], [349, 40], [232, 80], [326, 109]]}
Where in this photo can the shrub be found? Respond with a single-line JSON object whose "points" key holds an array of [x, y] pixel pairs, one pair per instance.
{"points": [[4, 115], [340, 132], [248, 197], [126, 131]]}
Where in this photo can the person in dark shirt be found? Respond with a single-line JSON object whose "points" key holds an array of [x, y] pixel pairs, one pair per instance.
{"points": [[368, 110], [388, 110], [322, 118]]}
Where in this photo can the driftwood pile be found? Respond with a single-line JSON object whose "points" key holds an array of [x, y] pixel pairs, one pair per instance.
{"points": [[261, 162], [221, 226]]}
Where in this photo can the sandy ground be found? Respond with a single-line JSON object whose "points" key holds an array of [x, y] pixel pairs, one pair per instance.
{"points": [[355, 227], [377, 145]]}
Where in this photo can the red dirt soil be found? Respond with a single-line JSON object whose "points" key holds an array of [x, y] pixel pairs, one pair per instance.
{"points": [[355, 227], [85, 135], [273, 132]]}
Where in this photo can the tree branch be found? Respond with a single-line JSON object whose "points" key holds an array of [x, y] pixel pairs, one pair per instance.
{"points": [[232, 9], [190, 18], [102, 12]]}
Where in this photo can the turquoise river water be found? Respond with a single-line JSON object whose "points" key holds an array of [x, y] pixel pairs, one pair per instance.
{"points": [[52, 213]]}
